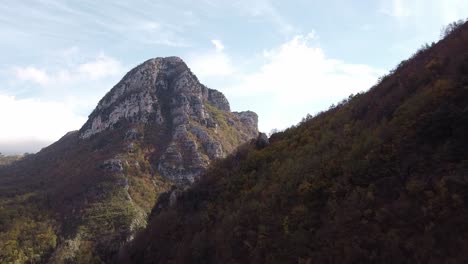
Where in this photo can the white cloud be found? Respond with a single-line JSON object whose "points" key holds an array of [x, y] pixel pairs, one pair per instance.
{"points": [[35, 120], [213, 63], [396, 8], [297, 78], [23, 146], [293, 79], [56, 98], [32, 74], [440, 11], [152, 32], [299, 72], [218, 45], [452, 10], [151, 26], [265, 8], [100, 67]]}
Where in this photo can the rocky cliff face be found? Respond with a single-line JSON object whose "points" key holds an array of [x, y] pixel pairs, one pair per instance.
{"points": [[197, 121]]}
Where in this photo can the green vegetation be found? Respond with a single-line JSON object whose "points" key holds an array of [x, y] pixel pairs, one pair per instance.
{"points": [[27, 234], [379, 178], [144, 186], [62, 206], [226, 133]]}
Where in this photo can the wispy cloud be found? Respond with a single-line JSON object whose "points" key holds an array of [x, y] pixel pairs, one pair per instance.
{"points": [[441, 11], [212, 63], [48, 119], [153, 32], [255, 8], [58, 96], [396, 8], [265, 8], [88, 20], [32, 74], [218, 45], [100, 67]]}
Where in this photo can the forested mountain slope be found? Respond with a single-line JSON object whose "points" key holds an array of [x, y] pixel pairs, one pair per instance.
{"points": [[380, 178]]}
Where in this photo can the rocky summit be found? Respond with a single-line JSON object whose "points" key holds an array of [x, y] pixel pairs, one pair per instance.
{"points": [[89, 193], [195, 120]]}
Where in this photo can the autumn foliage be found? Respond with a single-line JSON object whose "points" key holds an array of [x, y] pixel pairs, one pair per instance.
{"points": [[379, 178]]}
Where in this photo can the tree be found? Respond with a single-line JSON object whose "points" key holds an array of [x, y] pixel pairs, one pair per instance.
{"points": [[273, 131], [450, 28]]}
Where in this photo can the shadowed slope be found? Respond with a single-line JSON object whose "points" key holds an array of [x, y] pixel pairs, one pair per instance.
{"points": [[380, 178]]}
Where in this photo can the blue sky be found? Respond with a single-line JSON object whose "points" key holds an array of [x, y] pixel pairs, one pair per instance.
{"points": [[282, 59]]}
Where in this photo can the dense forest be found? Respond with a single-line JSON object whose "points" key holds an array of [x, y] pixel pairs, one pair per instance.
{"points": [[382, 177]]}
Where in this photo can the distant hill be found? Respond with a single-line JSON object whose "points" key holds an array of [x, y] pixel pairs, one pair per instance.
{"points": [[8, 159], [80, 199], [382, 177]]}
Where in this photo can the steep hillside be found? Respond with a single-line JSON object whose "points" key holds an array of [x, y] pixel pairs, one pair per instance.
{"points": [[380, 178], [80, 199]]}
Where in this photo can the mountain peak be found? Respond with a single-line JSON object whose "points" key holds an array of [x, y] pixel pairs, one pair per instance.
{"points": [[162, 94], [147, 90]]}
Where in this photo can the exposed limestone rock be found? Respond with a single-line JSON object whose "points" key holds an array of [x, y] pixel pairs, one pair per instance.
{"points": [[136, 108], [212, 148], [248, 118], [66, 251], [166, 200], [262, 141], [173, 198], [194, 121], [132, 135], [112, 165], [131, 148], [218, 100], [123, 182]]}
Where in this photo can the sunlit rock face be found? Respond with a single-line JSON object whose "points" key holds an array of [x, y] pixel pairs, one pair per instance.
{"points": [[163, 93]]}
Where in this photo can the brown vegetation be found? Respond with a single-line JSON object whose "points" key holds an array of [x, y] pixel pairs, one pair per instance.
{"points": [[379, 178]]}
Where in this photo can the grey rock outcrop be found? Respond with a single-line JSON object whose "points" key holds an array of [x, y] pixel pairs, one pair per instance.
{"points": [[113, 165], [218, 100], [262, 141], [194, 123], [248, 117]]}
